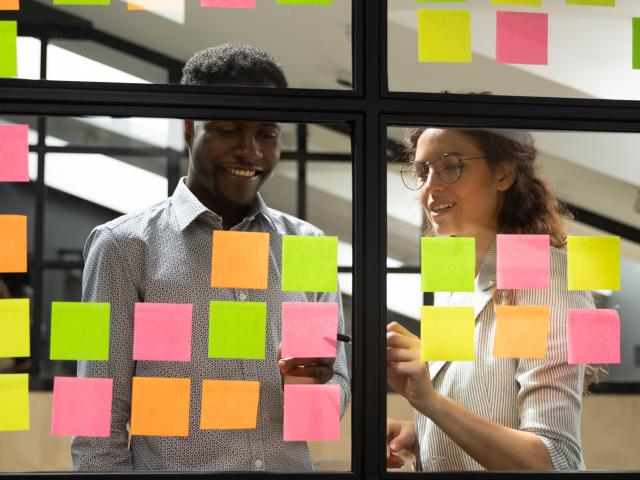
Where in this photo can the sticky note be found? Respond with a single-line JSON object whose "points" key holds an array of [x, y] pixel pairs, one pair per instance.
{"points": [[14, 150], [229, 404], [447, 333], [160, 406], [156, 5], [13, 244], [522, 38], [228, 3], [82, 2], [521, 331], [304, 2], [635, 54], [593, 3], [14, 402], [309, 330], [8, 48], [240, 259], [81, 407], [448, 264], [9, 4], [162, 331], [14, 327], [593, 263], [80, 330], [237, 329], [309, 263], [523, 261], [442, 1], [311, 412], [593, 336], [529, 3], [444, 36]]}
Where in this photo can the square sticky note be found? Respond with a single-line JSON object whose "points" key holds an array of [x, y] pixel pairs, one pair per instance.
{"points": [[304, 2], [309, 330], [8, 48], [523, 261], [14, 151], [162, 331], [156, 5], [82, 2], [13, 244], [593, 336], [228, 3], [593, 263], [529, 3], [14, 327], [635, 43], [309, 264], [447, 333], [14, 402], [160, 406], [593, 3], [522, 38], [81, 407], [9, 4], [311, 412], [448, 264], [240, 259], [237, 329], [80, 331], [229, 404], [521, 332], [444, 36]]}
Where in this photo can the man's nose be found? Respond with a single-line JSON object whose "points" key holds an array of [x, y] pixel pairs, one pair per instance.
{"points": [[248, 148]]}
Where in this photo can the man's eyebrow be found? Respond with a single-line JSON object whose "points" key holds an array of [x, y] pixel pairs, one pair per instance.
{"points": [[270, 124]]}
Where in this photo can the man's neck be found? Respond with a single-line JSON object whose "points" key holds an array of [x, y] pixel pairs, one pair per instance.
{"points": [[231, 214]]}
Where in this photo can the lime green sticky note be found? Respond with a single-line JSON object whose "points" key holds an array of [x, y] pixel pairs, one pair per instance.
{"points": [[309, 264], [593, 263], [593, 3], [442, 1], [8, 48], [237, 329], [304, 2], [14, 402], [444, 36], [14, 327], [448, 264], [80, 330], [635, 23], [446, 333], [529, 3], [82, 2]]}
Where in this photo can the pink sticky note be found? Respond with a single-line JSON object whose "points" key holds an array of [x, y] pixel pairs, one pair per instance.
{"points": [[522, 38], [81, 406], [309, 330], [14, 153], [311, 412], [228, 3], [523, 261], [593, 336], [162, 331]]}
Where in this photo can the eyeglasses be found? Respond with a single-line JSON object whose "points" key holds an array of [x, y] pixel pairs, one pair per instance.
{"points": [[448, 169]]}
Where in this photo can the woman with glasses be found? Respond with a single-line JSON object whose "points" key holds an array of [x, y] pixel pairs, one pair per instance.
{"points": [[492, 413]]}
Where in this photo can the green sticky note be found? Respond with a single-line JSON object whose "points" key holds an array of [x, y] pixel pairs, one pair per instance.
{"points": [[529, 3], [237, 329], [446, 333], [304, 2], [309, 264], [8, 48], [444, 36], [14, 402], [448, 264], [593, 3], [14, 327], [442, 1], [82, 2], [635, 22], [80, 331], [593, 263]]}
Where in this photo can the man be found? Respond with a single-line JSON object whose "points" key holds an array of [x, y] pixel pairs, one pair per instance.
{"points": [[163, 255]]}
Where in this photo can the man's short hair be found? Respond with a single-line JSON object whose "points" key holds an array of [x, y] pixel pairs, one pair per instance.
{"points": [[233, 64]]}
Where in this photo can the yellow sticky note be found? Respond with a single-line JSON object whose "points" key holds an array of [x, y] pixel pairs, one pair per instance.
{"points": [[14, 327], [14, 402], [444, 36], [521, 332], [447, 333], [593, 263]]}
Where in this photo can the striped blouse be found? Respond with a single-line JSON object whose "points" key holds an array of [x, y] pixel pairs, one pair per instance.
{"points": [[541, 396]]}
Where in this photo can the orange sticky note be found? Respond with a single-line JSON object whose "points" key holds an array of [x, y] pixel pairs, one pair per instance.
{"points": [[240, 259], [229, 404], [13, 244], [521, 332], [160, 406], [9, 4], [155, 5]]}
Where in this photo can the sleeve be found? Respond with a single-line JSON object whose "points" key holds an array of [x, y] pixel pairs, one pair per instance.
{"points": [[107, 278]]}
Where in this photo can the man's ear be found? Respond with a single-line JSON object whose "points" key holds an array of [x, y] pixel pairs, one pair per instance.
{"points": [[506, 175], [188, 132]]}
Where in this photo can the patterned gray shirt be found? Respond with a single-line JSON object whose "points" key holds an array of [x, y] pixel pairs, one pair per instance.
{"points": [[163, 255]]}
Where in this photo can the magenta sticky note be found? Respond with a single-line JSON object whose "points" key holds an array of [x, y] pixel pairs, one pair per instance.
{"points": [[228, 3], [593, 336], [522, 38], [523, 261], [309, 330], [81, 406], [311, 412], [162, 331], [14, 153]]}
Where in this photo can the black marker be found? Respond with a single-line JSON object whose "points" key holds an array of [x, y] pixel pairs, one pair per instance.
{"points": [[344, 338]]}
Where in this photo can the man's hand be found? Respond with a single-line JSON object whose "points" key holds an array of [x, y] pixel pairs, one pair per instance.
{"points": [[400, 436], [305, 370]]}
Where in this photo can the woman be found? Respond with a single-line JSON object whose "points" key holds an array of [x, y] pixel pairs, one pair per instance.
{"points": [[493, 413]]}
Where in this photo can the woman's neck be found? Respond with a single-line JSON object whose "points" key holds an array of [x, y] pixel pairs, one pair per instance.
{"points": [[484, 240]]}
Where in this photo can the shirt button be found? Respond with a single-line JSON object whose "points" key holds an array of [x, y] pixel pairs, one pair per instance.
{"points": [[243, 296], [259, 463]]}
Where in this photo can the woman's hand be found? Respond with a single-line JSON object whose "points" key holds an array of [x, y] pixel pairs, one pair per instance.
{"points": [[305, 370], [407, 374], [400, 436]]}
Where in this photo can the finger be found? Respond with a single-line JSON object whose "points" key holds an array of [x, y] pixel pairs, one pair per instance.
{"points": [[321, 373], [402, 355], [394, 461], [396, 327], [395, 339], [412, 369], [302, 362]]}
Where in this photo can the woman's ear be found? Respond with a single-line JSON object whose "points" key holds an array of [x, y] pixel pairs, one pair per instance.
{"points": [[505, 175]]}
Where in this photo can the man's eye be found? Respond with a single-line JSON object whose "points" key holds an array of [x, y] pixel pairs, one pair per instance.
{"points": [[270, 136], [225, 131]]}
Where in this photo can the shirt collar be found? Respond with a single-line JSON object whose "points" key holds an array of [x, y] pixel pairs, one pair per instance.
{"points": [[487, 276]]}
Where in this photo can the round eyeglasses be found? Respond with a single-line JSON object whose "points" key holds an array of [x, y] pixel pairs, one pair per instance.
{"points": [[448, 169]]}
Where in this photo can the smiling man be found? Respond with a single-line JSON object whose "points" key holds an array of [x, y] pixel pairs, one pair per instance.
{"points": [[163, 255]]}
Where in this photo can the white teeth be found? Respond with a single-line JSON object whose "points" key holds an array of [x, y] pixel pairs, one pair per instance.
{"points": [[241, 173], [443, 207]]}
